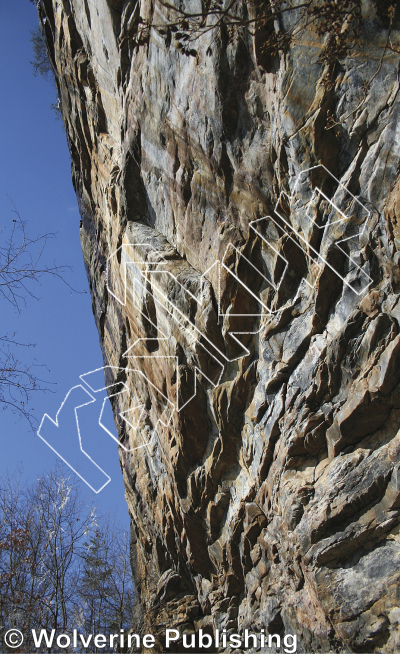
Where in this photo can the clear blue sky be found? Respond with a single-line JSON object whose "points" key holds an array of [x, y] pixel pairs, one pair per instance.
{"points": [[35, 173]]}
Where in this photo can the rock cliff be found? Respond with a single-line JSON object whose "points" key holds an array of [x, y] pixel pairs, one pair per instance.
{"points": [[240, 224]]}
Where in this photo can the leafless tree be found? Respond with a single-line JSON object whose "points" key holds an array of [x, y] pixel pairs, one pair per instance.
{"points": [[21, 266], [265, 19], [21, 547], [41, 65], [105, 589], [62, 521], [41, 540], [274, 25], [21, 273], [61, 565], [13, 547]]}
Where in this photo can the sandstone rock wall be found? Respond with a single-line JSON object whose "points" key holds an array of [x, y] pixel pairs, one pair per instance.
{"points": [[271, 497]]}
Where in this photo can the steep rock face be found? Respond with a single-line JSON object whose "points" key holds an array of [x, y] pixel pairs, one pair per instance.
{"points": [[261, 472]]}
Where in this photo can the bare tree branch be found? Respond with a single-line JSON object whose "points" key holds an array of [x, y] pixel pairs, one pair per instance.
{"points": [[21, 271], [61, 565]]}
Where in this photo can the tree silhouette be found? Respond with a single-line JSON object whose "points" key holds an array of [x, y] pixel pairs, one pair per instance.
{"points": [[21, 272], [62, 566]]}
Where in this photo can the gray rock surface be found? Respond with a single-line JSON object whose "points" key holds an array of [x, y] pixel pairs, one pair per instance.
{"points": [[272, 499]]}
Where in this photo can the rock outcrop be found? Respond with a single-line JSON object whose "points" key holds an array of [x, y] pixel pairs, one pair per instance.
{"points": [[227, 192]]}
